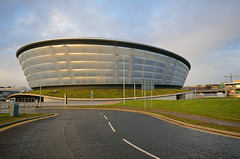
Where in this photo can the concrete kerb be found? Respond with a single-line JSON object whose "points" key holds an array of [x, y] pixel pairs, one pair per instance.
{"points": [[202, 128], [19, 121], [175, 122]]}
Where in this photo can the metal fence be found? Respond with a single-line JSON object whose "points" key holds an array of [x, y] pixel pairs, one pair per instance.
{"points": [[4, 104], [192, 95]]}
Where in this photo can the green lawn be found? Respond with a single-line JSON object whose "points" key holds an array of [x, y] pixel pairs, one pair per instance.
{"points": [[104, 93], [210, 108], [227, 110], [6, 118]]}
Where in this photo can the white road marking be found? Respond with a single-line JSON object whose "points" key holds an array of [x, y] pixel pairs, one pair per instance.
{"points": [[105, 117], [140, 149], [101, 113], [111, 127]]}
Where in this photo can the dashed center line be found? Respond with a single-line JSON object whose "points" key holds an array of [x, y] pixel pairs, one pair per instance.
{"points": [[140, 149], [111, 127], [153, 156], [108, 122], [105, 117]]}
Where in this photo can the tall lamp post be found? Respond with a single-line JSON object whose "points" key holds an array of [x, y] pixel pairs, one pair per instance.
{"points": [[123, 80], [40, 87]]}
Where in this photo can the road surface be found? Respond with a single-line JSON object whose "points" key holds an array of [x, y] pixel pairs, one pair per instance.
{"points": [[107, 134]]}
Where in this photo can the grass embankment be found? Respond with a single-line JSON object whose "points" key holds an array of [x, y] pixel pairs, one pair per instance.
{"points": [[210, 108], [104, 93], [6, 118], [227, 110]]}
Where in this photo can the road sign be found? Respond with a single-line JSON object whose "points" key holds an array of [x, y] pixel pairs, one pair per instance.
{"points": [[148, 84]]}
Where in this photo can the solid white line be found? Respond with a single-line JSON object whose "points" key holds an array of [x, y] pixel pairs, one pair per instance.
{"points": [[101, 113], [105, 117], [111, 127], [140, 149]]}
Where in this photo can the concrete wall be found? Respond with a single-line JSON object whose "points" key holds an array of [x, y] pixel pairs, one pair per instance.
{"points": [[170, 97]]}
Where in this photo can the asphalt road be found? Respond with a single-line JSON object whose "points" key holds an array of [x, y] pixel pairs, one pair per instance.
{"points": [[104, 134]]}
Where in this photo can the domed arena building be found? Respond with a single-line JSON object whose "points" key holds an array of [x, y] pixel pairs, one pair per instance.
{"points": [[99, 63]]}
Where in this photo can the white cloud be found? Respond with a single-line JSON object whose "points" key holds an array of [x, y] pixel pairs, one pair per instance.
{"points": [[10, 71], [203, 31]]}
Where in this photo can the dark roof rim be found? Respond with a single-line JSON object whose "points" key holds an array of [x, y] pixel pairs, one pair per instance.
{"points": [[102, 42]]}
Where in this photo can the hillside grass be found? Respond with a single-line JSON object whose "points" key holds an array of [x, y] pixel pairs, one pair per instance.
{"points": [[103, 93], [6, 118], [224, 109]]}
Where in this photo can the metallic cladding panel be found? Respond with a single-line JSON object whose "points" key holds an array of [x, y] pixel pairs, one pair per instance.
{"points": [[107, 42], [87, 64]]}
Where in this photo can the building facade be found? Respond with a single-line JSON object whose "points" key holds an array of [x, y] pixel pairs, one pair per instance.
{"points": [[103, 63], [7, 91]]}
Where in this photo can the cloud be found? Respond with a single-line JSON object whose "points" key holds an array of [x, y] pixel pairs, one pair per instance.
{"points": [[204, 32], [10, 71]]}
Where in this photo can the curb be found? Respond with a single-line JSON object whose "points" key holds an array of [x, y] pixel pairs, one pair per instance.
{"points": [[183, 124], [19, 121], [176, 122], [158, 116], [202, 128]]}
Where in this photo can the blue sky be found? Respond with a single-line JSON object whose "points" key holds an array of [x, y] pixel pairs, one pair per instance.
{"points": [[206, 33]]}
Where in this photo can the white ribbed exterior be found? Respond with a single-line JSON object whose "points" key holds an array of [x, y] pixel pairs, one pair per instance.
{"points": [[85, 64]]}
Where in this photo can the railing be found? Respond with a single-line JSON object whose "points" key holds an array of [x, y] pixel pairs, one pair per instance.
{"points": [[4, 104]]}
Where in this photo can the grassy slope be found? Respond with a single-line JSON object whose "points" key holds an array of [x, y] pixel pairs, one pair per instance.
{"points": [[210, 108], [104, 93], [6, 118], [227, 110]]}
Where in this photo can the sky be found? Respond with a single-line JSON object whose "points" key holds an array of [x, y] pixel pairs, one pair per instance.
{"points": [[205, 32]]}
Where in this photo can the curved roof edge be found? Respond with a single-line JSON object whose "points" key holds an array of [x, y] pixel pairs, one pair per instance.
{"points": [[102, 42]]}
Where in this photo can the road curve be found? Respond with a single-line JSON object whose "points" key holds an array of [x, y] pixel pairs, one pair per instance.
{"points": [[111, 134]]}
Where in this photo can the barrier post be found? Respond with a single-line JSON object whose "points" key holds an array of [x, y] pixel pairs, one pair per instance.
{"points": [[91, 98], [65, 100], [14, 109]]}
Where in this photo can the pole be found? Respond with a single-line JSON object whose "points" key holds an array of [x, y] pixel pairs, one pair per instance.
{"points": [[151, 95], [123, 82], [145, 94], [65, 100], [92, 98], [134, 86], [234, 89], [195, 93], [40, 87], [226, 91]]}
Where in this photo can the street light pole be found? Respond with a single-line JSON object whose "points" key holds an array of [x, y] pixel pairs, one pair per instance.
{"points": [[134, 87], [40, 87], [123, 82], [123, 79]]}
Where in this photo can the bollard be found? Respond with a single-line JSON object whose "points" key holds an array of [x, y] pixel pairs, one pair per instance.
{"points": [[14, 108], [65, 100]]}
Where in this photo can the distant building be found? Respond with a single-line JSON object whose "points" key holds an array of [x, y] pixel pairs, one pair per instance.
{"points": [[233, 89], [7, 91], [202, 87], [229, 89]]}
